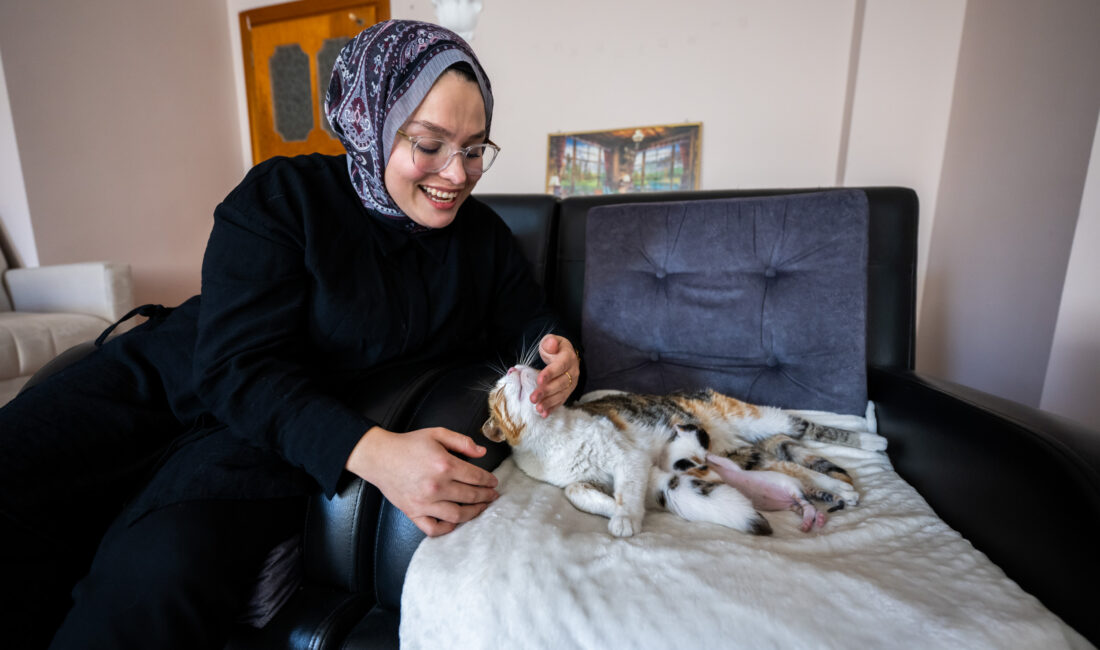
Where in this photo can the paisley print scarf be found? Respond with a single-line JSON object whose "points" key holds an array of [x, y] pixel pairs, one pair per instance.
{"points": [[379, 79]]}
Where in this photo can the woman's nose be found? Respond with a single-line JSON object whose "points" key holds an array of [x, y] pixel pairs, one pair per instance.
{"points": [[455, 171]]}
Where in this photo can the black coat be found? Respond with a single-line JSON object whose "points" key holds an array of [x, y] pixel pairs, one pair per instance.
{"points": [[303, 291]]}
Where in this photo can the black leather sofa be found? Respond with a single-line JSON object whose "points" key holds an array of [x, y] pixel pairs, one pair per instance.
{"points": [[1022, 485]]}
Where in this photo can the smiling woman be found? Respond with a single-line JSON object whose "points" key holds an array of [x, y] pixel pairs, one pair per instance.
{"points": [[205, 428]]}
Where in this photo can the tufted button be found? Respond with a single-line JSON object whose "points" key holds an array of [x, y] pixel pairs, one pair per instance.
{"points": [[654, 356], [772, 361], [769, 272], [661, 274]]}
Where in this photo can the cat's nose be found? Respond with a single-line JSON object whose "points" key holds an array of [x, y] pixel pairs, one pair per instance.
{"points": [[513, 369]]}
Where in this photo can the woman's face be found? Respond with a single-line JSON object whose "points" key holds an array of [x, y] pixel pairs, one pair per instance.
{"points": [[452, 111]]}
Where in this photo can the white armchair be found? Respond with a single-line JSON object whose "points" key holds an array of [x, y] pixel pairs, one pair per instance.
{"points": [[48, 309]]}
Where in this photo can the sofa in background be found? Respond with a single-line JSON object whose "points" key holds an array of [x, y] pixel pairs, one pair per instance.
{"points": [[46, 310]]}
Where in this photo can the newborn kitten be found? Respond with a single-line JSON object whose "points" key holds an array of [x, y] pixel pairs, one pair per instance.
{"points": [[703, 456]]}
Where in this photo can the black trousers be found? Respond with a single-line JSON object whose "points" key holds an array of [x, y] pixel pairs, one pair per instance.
{"points": [[74, 451]]}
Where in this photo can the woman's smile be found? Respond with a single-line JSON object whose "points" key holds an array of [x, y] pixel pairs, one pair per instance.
{"points": [[440, 198]]}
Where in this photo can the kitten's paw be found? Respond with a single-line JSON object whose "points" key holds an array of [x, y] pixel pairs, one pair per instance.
{"points": [[838, 499], [872, 442], [623, 526]]}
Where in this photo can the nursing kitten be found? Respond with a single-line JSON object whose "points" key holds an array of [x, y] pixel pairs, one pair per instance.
{"points": [[703, 456]]}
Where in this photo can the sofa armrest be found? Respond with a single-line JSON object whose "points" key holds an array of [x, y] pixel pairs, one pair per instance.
{"points": [[1022, 485], [455, 402], [103, 289]]}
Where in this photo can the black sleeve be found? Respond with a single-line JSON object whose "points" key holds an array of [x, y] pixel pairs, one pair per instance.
{"points": [[249, 360]]}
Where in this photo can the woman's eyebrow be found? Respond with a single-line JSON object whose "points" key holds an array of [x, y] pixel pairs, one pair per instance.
{"points": [[442, 132]]}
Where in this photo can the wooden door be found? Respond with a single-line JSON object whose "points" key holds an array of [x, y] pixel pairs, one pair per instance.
{"points": [[289, 50]]}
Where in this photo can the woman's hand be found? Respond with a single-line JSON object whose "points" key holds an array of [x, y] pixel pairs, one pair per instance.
{"points": [[419, 476], [558, 379]]}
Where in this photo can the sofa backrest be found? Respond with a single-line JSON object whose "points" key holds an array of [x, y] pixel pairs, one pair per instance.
{"points": [[532, 218], [891, 263], [761, 298]]}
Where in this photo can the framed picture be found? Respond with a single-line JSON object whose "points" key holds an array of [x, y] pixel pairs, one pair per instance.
{"points": [[630, 159]]}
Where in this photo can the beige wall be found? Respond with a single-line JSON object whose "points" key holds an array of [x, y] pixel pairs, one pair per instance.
{"points": [[124, 112], [1022, 123], [16, 230]]}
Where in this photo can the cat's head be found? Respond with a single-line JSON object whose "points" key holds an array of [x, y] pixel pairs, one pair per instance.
{"points": [[510, 407]]}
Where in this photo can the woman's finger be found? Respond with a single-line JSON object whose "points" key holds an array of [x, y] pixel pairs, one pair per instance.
{"points": [[455, 513], [432, 527], [467, 494]]}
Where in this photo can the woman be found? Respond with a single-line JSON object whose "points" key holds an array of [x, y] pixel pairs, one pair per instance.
{"points": [[199, 432]]}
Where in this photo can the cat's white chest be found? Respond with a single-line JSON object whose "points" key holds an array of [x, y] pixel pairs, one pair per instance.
{"points": [[565, 452]]}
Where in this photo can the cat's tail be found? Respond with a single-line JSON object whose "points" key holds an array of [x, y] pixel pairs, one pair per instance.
{"points": [[697, 499], [802, 429]]}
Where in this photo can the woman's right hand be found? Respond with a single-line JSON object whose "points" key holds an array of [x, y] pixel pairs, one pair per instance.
{"points": [[419, 475]]}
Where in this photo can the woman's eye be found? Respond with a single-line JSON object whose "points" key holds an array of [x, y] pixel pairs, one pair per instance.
{"points": [[430, 147]]}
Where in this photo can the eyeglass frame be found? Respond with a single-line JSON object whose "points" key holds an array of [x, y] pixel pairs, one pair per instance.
{"points": [[465, 151]]}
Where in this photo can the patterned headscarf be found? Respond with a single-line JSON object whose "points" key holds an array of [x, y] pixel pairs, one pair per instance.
{"points": [[379, 79]]}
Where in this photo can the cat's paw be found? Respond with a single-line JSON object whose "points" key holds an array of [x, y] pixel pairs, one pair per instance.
{"points": [[838, 499], [849, 497], [872, 442], [623, 526]]}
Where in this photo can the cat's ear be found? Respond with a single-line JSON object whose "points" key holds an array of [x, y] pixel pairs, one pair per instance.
{"points": [[491, 431]]}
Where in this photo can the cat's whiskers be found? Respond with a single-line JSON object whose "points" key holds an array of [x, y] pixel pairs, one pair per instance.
{"points": [[485, 385], [529, 354]]}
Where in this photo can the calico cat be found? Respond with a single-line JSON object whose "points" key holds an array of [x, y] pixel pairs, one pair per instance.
{"points": [[703, 456]]}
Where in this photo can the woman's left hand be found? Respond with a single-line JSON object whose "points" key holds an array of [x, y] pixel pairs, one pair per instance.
{"points": [[558, 379]]}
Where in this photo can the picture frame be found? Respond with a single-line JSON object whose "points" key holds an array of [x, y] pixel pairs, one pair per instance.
{"points": [[653, 158]]}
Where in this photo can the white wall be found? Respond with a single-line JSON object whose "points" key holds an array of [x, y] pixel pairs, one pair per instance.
{"points": [[1073, 375], [766, 79], [904, 89], [1023, 117], [15, 214]]}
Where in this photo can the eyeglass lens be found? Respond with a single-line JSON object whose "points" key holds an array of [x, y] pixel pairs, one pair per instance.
{"points": [[433, 155]]}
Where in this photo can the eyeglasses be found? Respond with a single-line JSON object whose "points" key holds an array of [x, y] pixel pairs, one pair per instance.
{"points": [[431, 155]]}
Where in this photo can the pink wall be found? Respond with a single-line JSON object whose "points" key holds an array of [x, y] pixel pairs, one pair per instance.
{"points": [[125, 116]]}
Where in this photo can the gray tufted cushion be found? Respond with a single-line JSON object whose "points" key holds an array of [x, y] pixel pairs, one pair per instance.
{"points": [[760, 298]]}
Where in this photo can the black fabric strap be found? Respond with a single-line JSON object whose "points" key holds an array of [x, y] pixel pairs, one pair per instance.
{"points": [[149, 311]]}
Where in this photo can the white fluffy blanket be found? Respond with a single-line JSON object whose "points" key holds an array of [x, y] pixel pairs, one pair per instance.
{"points": [[534, 572]]}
